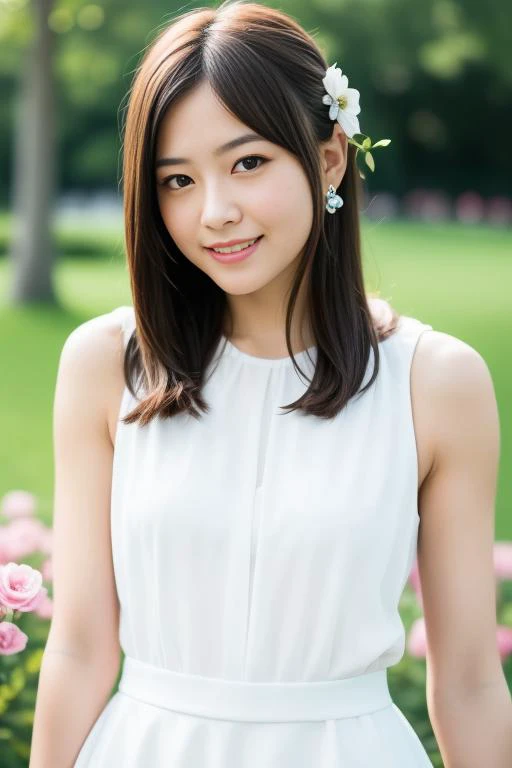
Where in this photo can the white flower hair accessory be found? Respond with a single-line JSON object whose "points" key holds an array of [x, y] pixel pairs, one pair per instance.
{"points": [[344, 107]]}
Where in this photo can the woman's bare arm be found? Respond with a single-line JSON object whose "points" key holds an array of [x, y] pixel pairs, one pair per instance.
{"points": [[81, 658], [468, 699]]}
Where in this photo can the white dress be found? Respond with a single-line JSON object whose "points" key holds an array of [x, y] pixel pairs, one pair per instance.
{"points": [[259, 559]]}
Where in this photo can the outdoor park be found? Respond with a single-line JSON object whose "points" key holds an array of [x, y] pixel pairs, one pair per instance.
{"points": [[435, 78]]}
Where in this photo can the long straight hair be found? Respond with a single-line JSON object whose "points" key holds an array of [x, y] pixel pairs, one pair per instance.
{"points": [[239, 49]]}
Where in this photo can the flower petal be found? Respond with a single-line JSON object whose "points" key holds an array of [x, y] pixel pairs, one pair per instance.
{"points": [[348, 122], [334, 110], [335, 82], [330, 81], [327, 99], [352, 95], [342, 84]]}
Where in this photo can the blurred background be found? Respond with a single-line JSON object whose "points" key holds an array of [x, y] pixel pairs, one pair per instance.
{"points": [[435, 76]]}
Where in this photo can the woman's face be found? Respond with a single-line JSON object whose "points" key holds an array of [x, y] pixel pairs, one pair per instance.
{"points": [[214, 196]]}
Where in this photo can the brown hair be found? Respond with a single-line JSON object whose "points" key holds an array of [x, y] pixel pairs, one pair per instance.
{"points": [[238, 48]]}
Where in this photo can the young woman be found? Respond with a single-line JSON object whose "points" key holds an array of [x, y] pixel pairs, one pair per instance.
{"points": [[237, 463]]}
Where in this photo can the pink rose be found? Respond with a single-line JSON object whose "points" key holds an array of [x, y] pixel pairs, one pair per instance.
{"points": [[22, 537], [417, 639], [5, 546], [12, 639], [20, 587], [18, 504], [46, 541], [504, 639], [502, 555], [45, 608]]}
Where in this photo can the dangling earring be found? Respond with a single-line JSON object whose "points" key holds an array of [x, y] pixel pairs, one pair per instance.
{"points": [[334, 201]]}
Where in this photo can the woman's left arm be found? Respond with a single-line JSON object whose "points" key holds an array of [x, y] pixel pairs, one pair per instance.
{"points": [[469, 703]]}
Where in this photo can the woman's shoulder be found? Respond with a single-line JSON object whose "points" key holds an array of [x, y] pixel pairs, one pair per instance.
{"points": [[124, 318], [447, 364], [448, 374], [454, 397], [440, 355], [97, 338], [92, 361], [437, 355]]}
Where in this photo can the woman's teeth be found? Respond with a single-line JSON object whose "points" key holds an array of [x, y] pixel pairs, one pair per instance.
{"points": [[235, 248]]}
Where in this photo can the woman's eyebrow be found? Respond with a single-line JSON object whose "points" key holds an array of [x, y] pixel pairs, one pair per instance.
{"points": [[244, 139]]}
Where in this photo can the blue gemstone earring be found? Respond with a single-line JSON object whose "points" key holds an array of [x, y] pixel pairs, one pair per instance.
{"points": [[334, 201]]}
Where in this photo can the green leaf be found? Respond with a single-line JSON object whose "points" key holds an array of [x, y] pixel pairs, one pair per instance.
{"points": [[21, 748], [367, 143], [382, 143], [33, 661], [506, 616], [6, 693], [17, 680], [22, 717], [370, 162]]}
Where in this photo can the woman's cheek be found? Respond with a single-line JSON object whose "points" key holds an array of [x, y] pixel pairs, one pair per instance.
{"points": [[266, 204]]}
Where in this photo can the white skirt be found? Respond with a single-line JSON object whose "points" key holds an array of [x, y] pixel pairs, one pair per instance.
{"points": [[168, 719]]}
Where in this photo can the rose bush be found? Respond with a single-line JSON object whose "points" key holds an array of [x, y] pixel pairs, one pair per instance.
{"points": [[407, 680], [25, 608]]}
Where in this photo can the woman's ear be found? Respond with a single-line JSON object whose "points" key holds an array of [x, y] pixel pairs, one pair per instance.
{"points": [[385, 318], [334, 155]]}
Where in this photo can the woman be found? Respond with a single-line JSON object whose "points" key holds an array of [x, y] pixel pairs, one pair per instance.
{"points": [[254, 436]]}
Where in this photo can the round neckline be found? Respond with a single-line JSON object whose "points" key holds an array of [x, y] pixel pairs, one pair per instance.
{"points": [[265, 361]]}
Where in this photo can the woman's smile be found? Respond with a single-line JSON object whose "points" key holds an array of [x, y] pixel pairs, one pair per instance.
{"points": [[236, 253]]}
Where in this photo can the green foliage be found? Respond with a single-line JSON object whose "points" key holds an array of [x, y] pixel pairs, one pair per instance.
{"points": [[414, 64], [18, 694], [437, 272]]}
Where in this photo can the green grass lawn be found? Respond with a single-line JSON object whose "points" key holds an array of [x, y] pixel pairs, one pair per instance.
{"points": [[454, 277]]}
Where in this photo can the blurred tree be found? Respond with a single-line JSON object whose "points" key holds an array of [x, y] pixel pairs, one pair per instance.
{"points": [[70, 38], [34, 177], [414, 63], [434, 76], [492, 22]]}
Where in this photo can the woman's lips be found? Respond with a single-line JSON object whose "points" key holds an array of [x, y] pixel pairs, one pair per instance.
{"points": [[230, 258]]}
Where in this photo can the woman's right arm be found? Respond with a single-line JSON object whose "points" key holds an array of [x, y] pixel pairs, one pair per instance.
{"points": [[82, 654]]}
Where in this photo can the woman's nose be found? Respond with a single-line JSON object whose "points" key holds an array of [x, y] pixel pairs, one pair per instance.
{"points": [[219, 207]]}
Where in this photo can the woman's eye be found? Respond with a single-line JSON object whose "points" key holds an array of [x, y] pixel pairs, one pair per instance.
{"points": [[251, 158], [166, 182], [179, 176]]}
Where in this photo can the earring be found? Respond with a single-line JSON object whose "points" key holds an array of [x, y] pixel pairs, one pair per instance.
{"points": [[334, 201]]}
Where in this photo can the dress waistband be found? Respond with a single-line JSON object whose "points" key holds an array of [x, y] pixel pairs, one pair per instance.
{"points": [[253, 701]]}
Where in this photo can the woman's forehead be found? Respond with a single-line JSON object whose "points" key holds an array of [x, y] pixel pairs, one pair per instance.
{"points": [[200, 125]]}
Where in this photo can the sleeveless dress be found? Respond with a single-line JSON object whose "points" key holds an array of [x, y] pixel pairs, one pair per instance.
{"points": [[259, 559]]}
